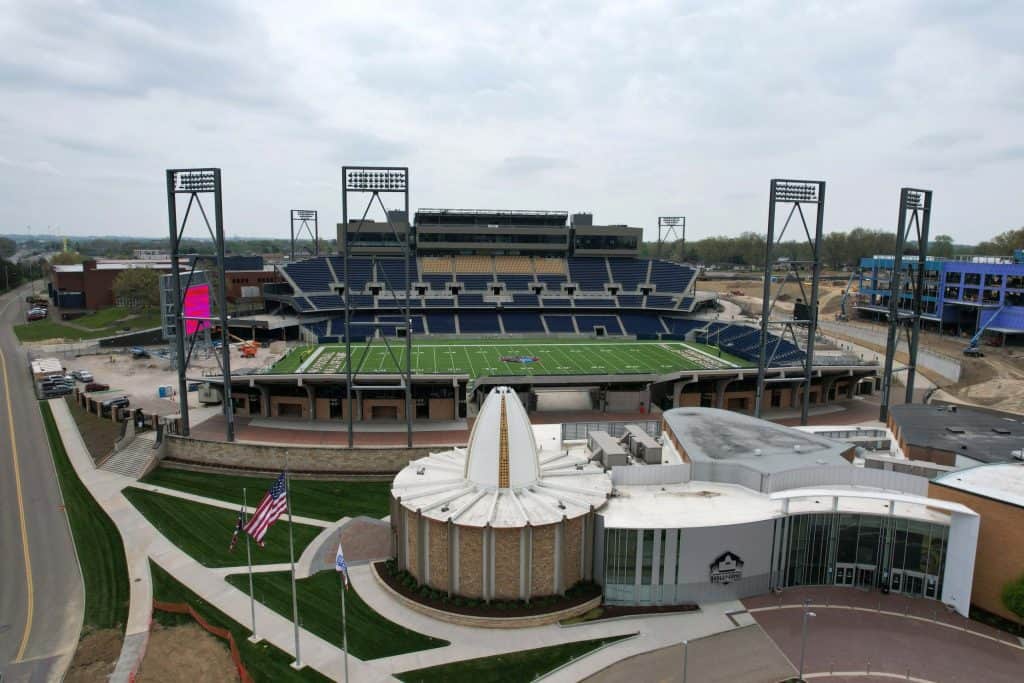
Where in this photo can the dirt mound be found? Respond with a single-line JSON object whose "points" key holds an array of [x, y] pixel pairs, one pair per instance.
{"points": [[185, 654], [95, 657]]}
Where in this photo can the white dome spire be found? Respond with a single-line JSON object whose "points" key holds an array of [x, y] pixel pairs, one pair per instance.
{"points": [[502, 452]]}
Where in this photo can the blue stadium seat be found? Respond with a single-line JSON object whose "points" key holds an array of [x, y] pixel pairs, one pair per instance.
{"points": [[643, 325], [516, 283], [479, 323], [440, 303], [631, 301], [475, 283], [525, 300], [441, 323], [438, 283], [681, 326], [628, 273], [587, 323], [475, 300], [326, 302], [522, 323], [303, 304], [588, 272], [655, 301], [556, 302], [391, 271], [311, 275], [559, 323], [594, 303], [671, 277], [553, 282]]}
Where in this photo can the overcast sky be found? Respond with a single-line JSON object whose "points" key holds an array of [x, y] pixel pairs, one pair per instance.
{"points": [[629, 110]]}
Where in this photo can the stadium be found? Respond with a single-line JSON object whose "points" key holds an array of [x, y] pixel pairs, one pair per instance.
{"points": [[564, 311]]}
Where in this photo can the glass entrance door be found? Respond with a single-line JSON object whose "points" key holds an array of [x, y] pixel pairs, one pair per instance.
{"points": [[844, 574], [865, 577], [908, 583]]}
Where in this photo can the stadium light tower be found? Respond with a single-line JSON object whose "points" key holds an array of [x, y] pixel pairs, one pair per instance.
{"points": [[794, 194], [376, 181], [915, 214], [670, 229], [195, 183], [305, 222]]}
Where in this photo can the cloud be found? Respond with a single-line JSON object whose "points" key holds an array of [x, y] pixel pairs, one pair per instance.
{"points": [[629, 110]]}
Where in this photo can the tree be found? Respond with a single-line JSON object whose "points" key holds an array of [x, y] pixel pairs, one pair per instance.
{"points": [[1003, 244], [137, 288], [941, 247], [7, 247], [66, 258], [1013, 597]]}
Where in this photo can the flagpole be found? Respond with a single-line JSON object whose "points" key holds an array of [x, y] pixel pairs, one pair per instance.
{"points": [[344, 626], [248, 557], [291, 558]]}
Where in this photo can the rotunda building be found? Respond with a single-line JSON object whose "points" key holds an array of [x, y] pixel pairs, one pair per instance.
{"points": [[502, 518]]}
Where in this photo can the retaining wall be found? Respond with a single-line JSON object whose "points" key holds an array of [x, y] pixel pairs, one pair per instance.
{"points": [[300, 458]]}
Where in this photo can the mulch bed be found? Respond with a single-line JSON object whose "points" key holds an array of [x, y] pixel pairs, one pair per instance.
{"points": [[613, 611], [496, 609]]}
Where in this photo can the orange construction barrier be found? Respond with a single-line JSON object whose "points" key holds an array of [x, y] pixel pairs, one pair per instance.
{"points": [[184, 608]]}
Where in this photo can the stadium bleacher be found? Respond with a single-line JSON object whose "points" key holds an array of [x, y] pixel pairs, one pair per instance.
{"points": [[315, 285], [522, 323]]}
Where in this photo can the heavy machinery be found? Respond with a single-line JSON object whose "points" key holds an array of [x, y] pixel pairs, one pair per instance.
{"points": [[972, 349], [248, 349], [842, 315]]}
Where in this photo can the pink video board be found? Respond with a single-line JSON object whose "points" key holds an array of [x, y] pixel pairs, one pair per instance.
{"points": [[197, 304]]}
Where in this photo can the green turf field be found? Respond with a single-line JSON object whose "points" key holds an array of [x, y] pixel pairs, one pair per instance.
{"points": [[494, 358]]}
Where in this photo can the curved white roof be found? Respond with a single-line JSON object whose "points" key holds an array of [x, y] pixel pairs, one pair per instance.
{"points": [[545, 484], [502, 437]]}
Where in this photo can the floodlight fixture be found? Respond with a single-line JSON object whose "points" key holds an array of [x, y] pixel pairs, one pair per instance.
{"points": [[195, 180], [304, 215], [376, 179], [671, 220], [796, 190]]}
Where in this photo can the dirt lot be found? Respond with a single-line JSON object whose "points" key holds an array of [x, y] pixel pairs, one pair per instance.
{"points": [[95, 657], [184, 654], [139, 378], [994, 381]]}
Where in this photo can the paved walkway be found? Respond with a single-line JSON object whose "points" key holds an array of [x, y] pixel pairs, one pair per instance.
{"points": [[860, 631], [143, 542]]}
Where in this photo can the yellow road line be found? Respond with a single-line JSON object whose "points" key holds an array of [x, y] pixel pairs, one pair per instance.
{"points": [[21, 512]]}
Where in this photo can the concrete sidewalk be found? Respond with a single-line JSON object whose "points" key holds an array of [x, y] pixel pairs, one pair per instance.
{"points": [[142, 542]]}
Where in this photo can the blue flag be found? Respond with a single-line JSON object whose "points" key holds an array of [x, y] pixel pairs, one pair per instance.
{"points": [[339, 564]]}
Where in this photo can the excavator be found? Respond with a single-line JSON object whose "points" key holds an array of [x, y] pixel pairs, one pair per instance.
{"points": [[842, 315], [973, 350]]}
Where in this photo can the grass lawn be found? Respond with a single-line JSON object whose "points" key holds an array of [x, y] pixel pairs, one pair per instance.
{"points": [[42, 330], [370, 635], [98, 433], [204, 531], [525, 665], [264, 662], [491, 357], [100, 551], [103, 323], [319, 498]]}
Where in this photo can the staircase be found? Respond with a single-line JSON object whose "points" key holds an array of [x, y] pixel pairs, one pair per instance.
{"points": [[132, 460]]}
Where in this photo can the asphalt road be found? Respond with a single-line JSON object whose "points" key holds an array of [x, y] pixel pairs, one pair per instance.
{"points": [[41, 597]]}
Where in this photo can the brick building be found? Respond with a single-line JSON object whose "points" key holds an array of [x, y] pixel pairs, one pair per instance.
{"points": [[996, 493], [956, 436]]}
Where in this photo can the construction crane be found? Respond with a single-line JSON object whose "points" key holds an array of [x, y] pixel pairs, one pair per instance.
{"points": [[842, 315], [972, 349]]}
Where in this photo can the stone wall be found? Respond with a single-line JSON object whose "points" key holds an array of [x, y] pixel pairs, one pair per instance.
{"points": [[412, 523], [506, 563], [471, 562], [543, 573], [571, 550], [300, 458], [438, 555]]}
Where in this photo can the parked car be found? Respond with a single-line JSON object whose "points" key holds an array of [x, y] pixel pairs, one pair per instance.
{"points": [[119, 402], [35, 314], [96, 386], [82, 375], [56, 391], [139, 352]]}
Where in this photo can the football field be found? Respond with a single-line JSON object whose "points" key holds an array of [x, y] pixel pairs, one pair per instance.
{"points": [[497, 358]]}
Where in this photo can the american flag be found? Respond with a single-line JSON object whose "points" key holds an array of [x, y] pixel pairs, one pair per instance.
{"points": [[239, 526], [269, 511]]}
